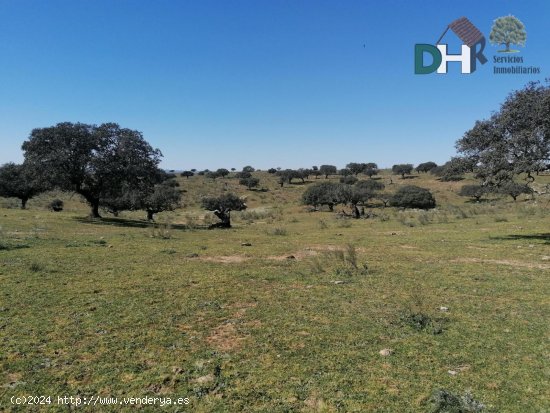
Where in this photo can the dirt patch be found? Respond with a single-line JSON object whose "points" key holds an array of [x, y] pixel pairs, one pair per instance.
{"points": [[225, 259], [511, 263], [225, 337]]}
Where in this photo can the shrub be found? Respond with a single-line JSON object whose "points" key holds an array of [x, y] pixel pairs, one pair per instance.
{"points": [[56, 205], [349, 179], [411, 196], [473, 191]]}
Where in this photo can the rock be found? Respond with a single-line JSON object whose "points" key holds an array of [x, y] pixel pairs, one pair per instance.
{"points": [[385, 352], [192, 255], [291, 257], [531, 246], [246, 244], [394, 233], [338, 282], [452, 372], [546, 257], [444, 309]]}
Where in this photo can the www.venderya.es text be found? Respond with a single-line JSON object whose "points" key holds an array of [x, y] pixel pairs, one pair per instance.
{"points": [[99, 400]]}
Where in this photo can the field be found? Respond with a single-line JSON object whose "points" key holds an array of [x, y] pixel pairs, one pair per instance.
{"points": [[288, 311]]}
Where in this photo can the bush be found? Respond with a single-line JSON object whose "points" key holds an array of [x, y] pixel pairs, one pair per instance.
{"points": [[411, 196], [473, 191], [56, 205], [349, 179]]}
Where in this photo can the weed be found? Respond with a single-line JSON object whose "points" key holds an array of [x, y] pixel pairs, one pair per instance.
{"points": [[444, 401], [36, 267], [278, 231]]}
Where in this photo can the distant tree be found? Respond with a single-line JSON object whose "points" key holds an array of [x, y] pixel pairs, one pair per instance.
{"points": [[426, 166], [243, 175], [187, 174], [345, 172], [222, 207], [452, 170], [222, 172], [250, 182], [94, 161], [370, 185], [248, 168], [356, 168], [508, 30], [193, 170], [371, 165], [349, 180], [402, 169], [233, 169], [513, 189], [164, 197], [473, 191], [324, 193], [411, 196], [327, 170], [272, 171], [370, 172], [202, 173], [17, 181]]}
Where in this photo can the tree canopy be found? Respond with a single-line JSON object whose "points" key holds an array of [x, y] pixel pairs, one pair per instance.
{"points": [[222, 206], [96, 162], [402, 169], [514, 140], [17, 181]]}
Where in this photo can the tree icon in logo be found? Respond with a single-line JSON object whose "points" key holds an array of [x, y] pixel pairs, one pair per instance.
{"points": [[508, 30]]}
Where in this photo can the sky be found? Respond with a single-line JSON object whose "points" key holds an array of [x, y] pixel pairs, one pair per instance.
{"points": [[274, 83]]}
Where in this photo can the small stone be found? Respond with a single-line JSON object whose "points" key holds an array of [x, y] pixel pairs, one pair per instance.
{"points": [[205, 379], [246, 244], [452, 372], [531, 246], [386, 352], [444, 309], [546, 257], [394, 233], [338, 282]]}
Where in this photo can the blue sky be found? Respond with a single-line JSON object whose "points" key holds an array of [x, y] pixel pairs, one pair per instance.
{"points": [[267, 83]]}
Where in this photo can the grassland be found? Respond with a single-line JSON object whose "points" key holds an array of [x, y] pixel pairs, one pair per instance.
{"points": [[286, 312]]}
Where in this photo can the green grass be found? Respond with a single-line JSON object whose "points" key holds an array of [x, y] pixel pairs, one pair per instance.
{"points": [[292, 322]]}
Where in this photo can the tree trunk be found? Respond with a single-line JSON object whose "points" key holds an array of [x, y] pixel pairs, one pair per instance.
{"points": [[356, 213], [24, 203], [507, 46], [225, 218], [94, 213], [150, 215]]}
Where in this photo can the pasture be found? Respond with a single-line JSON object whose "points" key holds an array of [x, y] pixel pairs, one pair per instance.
{"points": [[288, 311]]}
